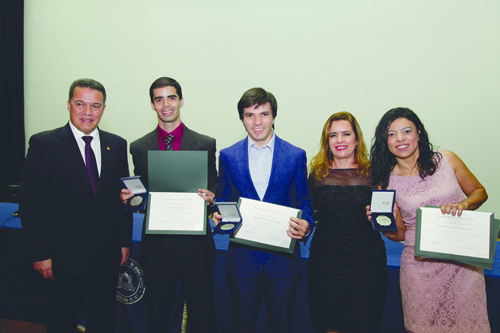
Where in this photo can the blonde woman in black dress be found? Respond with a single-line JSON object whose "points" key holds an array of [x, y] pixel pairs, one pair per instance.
{"points": [[347, 263]]}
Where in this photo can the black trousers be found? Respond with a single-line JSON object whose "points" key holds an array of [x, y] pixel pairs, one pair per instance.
{"points": [[94, 290], [197, 290]]}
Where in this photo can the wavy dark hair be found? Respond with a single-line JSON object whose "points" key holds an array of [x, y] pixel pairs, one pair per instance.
{"points": [[257, 97], [320, 164], [383, 161]]}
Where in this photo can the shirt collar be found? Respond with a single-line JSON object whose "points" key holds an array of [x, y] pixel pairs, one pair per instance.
{"points": [[178, 132], [270, 144], [79, 134]]}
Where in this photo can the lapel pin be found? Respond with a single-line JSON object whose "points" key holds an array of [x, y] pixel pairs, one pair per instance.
{"points": [[108, 148]]}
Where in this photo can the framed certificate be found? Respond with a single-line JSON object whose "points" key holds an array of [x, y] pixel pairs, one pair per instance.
{"points": [[265, 226], [174, 206], [470, 238], [176, 213]]}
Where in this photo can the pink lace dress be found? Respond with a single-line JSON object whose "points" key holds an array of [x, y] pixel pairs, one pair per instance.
{"points": [[438, 296]]}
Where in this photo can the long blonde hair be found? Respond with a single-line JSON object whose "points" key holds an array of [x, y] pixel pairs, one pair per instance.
{"points": [[320, 164]]}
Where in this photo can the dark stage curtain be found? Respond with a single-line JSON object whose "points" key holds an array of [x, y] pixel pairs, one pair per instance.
{"points": [[12, 140]]}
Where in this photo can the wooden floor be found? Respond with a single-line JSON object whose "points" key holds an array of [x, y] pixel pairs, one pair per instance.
{"points": [[16, 326]]}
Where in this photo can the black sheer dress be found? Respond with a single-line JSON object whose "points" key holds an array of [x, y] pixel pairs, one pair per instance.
{"points": [[347, 262]]}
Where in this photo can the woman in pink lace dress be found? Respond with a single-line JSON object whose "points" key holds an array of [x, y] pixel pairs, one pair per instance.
{"points": [[438, 295]]}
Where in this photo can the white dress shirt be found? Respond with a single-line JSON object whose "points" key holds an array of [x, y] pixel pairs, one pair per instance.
{"points": [[95, 144], [260, 162]]}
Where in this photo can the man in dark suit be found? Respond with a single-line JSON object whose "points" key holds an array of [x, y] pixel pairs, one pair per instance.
{"points": [[264, 167], [166, 258], [73, 221]]}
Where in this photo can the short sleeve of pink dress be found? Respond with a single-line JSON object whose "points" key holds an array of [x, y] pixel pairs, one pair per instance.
{"points": [[438, 295]]}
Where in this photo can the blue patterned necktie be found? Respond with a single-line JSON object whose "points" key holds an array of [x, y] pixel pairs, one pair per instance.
{"points": [[91, 163]]}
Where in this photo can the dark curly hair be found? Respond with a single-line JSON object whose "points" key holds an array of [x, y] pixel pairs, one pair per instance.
{"points": [[383, 161]]}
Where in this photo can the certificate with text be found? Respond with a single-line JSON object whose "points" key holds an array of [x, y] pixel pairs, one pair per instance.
{"points": [[176, 213], [466, 238], [265, 225]]}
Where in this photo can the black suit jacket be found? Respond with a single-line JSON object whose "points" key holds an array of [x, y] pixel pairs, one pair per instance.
{"points": [[60, 216], [188, 250]]}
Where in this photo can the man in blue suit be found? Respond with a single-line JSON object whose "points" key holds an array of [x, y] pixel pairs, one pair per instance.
{"points": [[264, 167]]}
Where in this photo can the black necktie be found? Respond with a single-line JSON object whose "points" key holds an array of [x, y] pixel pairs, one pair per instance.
{"points": [[168, 141], [91, 163]]}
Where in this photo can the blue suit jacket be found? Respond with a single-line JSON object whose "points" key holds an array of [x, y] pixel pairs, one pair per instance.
{"points": [[287, 187]]}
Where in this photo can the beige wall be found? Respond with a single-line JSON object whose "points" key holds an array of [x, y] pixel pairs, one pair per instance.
{"points": [[439, 58]]}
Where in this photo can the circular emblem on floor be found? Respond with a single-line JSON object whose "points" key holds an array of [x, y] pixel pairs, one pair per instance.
{"points": [[130, 287]]}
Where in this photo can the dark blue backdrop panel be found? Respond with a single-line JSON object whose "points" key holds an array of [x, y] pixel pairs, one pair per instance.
{"points": [[21, 295]]}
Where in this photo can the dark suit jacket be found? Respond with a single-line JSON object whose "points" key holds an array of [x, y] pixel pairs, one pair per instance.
{"points": [[188, 250], [287, 187], [60, 216]]}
